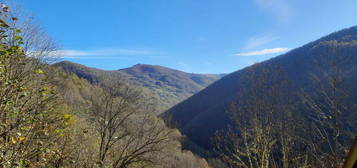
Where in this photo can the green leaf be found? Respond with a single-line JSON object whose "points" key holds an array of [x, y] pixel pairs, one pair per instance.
{"points": [[17, 38], [38, 71]]}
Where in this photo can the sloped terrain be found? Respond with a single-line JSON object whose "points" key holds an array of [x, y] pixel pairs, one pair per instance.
{"points": [[167, 86], [200, 116]]}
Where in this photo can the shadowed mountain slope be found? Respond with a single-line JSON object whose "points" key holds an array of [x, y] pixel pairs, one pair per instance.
{"points": [[204, 113]]}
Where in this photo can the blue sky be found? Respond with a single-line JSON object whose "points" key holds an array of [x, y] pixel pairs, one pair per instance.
{"points": [[200, 36]]}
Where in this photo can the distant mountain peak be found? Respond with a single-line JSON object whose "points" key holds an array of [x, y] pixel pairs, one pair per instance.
{"points": [[147, 68], [168, 85], [142, 65]]}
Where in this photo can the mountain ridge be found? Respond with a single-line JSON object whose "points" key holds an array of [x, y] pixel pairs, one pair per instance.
{"points": [[199, 116], [168, 85]]}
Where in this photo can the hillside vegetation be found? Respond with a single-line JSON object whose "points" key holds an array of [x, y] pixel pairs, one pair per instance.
{"points": [[53, 118], [297, 110], [310, 93], [166, 86]]}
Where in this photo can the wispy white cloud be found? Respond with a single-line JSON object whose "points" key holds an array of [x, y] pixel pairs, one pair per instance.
{"points": [[280, 8], [263, 52], [100, 53], [259, 40], [184, 66]]}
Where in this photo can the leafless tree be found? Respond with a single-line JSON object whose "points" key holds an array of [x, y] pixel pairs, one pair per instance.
{"points": [[37, 43], [331, 106], [128, 135], [264, 131]]}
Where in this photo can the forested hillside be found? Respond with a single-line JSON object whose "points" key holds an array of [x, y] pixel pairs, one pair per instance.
{"points": [[53, 118], [81, 96], [167, 86], [296, 110], [290, 98]]}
